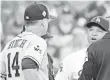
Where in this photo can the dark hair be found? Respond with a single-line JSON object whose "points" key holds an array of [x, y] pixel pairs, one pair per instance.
{"points": [[31, 22], [23, 29]]}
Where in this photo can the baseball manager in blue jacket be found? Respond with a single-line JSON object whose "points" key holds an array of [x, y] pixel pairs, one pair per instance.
{"points": [[97, 65]]}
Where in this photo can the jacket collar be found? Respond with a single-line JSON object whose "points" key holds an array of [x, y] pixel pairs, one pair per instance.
{"points": [[107, 36]]}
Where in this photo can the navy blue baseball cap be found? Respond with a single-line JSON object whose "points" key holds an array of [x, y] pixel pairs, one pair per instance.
{"points": [[99, 20], [37, 11]]}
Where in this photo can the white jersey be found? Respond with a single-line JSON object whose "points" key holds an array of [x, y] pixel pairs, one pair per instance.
{"points": [[71, 66], [26, 44]]}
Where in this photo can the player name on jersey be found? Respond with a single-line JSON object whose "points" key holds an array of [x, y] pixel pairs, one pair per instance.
{"points": [[17, 43]]}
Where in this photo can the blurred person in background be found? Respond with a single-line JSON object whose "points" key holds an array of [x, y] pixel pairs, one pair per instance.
{"points": [[61, 28], [12, 19], [25, 56], [1, 34], [62, 31], [71, 66], [97, 64], [67, 36], [96, 8], [107, 7]]}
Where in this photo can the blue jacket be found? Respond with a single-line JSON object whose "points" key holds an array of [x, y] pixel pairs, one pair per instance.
{"points": [[97, 67]]}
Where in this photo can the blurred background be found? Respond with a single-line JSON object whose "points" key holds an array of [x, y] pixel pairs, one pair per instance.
{"points": [[68, 28]]}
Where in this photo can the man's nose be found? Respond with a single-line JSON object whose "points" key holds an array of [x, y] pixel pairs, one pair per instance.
{"points": [[94, 33]]}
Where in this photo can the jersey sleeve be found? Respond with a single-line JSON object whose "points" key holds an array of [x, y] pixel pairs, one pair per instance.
{"points": [[34, 74], [2, 65], [36, 50], [2, 56]]}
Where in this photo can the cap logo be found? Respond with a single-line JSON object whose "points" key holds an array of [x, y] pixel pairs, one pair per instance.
{"points": [[44, 13], [98, 20], [27, 17]]}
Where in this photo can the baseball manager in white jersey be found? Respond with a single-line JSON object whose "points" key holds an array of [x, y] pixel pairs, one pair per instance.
{"points": [[25, 56], [71, 67]]}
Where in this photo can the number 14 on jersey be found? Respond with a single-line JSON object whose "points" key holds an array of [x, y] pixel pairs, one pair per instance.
{"points": [[14, 65]]}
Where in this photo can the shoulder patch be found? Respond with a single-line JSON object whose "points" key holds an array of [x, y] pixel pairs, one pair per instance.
{"points": [[37, 48]]}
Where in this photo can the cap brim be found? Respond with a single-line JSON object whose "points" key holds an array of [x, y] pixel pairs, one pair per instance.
{"points": [[47, 36], [51, 17], [91, 24]]}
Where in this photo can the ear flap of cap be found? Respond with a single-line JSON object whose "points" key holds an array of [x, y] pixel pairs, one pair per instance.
{"points": [[108, 18], [51, 17]]}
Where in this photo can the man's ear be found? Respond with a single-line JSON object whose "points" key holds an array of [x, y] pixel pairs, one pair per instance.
{"points": [[42, 23], [109, 25]]}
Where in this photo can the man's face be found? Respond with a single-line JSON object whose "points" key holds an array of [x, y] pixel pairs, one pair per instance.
{"points": [[39, 27], [42, 27], [95, 33], [66, 23], [46, 24]]}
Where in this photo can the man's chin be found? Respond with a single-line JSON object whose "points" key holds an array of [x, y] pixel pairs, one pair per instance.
{"points": [[93, 41]]}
